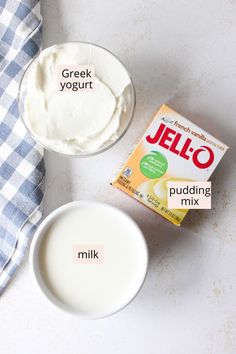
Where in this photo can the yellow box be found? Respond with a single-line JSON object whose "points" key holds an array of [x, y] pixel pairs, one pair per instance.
{"points": [[172, 149]]}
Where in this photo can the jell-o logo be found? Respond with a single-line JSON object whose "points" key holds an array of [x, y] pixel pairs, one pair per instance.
{"points": [[172, 140]]}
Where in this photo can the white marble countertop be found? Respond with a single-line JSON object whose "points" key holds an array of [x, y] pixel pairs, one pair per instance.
{"points": [[183, 53]]}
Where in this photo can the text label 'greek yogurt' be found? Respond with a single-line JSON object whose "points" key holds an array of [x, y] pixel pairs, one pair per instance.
{"points": [[74, 78], [88, 254]]}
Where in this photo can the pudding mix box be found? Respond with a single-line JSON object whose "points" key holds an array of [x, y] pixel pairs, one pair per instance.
{"points": [[172, 149]]}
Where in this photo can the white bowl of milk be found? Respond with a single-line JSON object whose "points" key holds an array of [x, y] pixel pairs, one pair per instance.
{"points": [[89, 259]]}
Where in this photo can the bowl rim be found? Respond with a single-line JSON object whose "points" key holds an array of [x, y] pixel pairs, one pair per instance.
{"points": [[77, 155], [35, 268]]}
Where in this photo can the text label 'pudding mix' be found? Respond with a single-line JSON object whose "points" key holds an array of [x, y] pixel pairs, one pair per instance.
{"points": [[172, 149]]}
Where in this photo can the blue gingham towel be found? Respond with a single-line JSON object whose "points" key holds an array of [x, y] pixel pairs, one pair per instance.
{"points": [[21, 159]]}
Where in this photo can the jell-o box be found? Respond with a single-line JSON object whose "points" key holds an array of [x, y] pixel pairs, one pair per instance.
{"points": [[172, 149]]}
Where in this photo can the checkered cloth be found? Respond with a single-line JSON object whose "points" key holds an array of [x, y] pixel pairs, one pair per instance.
{"points": [[21, 159]]}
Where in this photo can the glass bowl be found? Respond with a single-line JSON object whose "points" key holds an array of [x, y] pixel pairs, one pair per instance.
{"points": [[125, 121]]}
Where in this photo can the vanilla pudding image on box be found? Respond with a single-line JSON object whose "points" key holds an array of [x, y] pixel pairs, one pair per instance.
{"points": [[172, 149], [76, 98], [89, 258]]}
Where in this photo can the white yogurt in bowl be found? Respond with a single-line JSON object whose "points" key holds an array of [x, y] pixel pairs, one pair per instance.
{"points": [[76, 122], [89, 258]]}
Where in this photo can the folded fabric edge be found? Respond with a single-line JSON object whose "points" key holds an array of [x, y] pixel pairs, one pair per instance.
{"points": [[24, 236]]}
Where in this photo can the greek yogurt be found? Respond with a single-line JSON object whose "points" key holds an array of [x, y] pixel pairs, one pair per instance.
{"points": [[76, 122]]}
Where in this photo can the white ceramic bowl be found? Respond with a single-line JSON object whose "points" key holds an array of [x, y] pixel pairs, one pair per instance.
{"points": [[123, 218]]}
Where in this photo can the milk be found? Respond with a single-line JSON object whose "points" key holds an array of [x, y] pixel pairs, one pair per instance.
{"points": [[88, 286]]}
